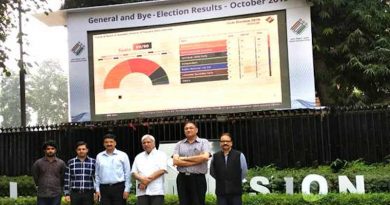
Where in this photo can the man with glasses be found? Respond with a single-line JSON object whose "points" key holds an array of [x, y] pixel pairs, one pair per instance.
{"points": [[229, 168], [148, 169]]}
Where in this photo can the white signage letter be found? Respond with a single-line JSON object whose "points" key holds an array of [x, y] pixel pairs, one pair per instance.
{"points": [[346, 185], [322, 183], [255, 184]]}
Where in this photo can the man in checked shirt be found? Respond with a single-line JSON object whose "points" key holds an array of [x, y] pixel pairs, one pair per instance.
{"points": [[79, 177]]}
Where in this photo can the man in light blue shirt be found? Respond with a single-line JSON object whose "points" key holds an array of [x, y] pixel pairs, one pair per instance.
{"points": [[112, 175]]}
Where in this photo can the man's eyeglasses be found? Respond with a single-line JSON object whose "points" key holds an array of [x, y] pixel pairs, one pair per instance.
{"points": [[223, 141]]}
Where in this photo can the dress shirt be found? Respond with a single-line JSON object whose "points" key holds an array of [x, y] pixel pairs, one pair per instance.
{"points": [[49, 176], [112, 168], [185, 149], [79, 174], [145, 165]]}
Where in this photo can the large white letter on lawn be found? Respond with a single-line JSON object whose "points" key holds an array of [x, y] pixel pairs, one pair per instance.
{"points": [[255, 184], [322, 183], [346, 185]]}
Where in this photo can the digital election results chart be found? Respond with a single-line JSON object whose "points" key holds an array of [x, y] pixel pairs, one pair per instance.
{"points": [[221, 65]]}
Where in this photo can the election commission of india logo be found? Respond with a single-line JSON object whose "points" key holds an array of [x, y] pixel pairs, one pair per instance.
{"points": [[78, 48], [299, 26]]}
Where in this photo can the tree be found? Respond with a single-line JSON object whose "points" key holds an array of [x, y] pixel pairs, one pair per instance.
{"points": [[89, 3], [9, 10], [9, 101], [352, 51], [48, 95]]}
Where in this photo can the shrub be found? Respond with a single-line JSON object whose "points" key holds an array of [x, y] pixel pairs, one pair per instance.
{"points": [[376, 176], [269, 199], [26, 186]]}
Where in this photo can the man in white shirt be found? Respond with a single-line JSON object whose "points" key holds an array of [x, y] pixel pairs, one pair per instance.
{"points": [[148, 169]]}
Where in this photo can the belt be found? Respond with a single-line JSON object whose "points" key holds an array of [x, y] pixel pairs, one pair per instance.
{"points": [[82, 190], [113, 184], [190, 174]]}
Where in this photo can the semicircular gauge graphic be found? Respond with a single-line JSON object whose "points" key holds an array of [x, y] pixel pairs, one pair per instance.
{"points": [[155, 72]]}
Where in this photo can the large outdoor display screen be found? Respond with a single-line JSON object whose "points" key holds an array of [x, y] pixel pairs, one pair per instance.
{"points": [[216, 66]]}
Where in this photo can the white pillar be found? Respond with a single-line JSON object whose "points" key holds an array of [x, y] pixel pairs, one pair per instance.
{"points": [[13, 190]]}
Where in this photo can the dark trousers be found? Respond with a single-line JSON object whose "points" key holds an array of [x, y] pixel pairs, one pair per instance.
{"points": [[150, 200], [81, 198], [49, 200], [229, 200], [191, 189], [112, 194]]}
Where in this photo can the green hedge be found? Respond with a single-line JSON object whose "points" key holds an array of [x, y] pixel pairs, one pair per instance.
{"points": [[269, 199], [26, 186], [376, 176]]}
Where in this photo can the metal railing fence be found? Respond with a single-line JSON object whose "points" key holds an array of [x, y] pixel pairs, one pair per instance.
{"points": [[286, 138]]}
